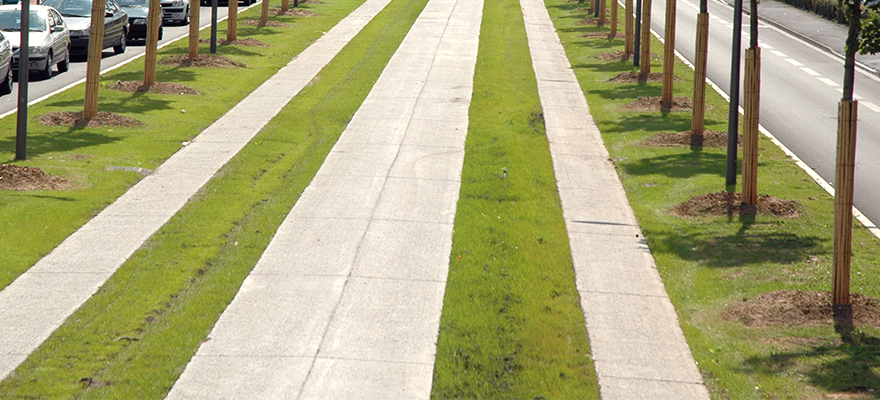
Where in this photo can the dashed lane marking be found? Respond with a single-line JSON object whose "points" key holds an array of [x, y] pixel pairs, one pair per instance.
{"points": [[810, 71], [828, 82], [794, 62]]}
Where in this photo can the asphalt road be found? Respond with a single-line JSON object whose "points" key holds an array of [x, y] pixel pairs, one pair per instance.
{"points": [[38, 88], [801, 86]]}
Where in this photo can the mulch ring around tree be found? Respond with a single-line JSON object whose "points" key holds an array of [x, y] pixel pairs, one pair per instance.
{"points": [[615, 56], [183, 60], [256, 22], [13, 177], [75, 119], [292, 12], [636, 77], [156, 88], [799, 308], [726, 204], [237, 42], [686, 138], [652, 103]]}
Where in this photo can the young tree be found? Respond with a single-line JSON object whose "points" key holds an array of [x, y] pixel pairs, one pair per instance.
{"points": [[153, 21], [194, 30], [645, 51], [232, 21], [93, 65], [751, 106], [628, 27], [668, 57], [866, 40]]}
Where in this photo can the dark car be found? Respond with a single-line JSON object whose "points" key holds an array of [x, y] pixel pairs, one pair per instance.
{"points": [[77, 14], [138, 11]]}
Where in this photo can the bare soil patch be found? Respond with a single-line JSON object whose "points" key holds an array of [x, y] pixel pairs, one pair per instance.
{"points": [[589, 21], [292, 12], [635, 77], [652, 103], [726, 204], [271, 24], [615, 56], [799, 308], [157, 88], [75, 119], [13, 177], [687, 138], [202, 61], [237, 42]]}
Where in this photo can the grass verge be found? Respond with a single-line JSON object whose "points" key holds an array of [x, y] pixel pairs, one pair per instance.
{"points": [[709, 263], [97, 162], [512, 326], [136, 335]]}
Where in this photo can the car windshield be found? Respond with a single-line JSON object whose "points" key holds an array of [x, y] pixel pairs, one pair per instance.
{"points": [[133, 3], [10, 21], [71, 8]]}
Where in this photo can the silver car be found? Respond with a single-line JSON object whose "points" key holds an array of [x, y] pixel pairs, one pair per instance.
{"points": [[48, 38]]}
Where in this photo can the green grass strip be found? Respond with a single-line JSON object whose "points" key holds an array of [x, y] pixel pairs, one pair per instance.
{"points": [[32, 223], [135, 336], [709, 263], [512, 326]]}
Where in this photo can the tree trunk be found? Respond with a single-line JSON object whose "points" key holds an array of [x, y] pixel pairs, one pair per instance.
{"points": [[668, 57], [613, 32], [264, 13], [602, 7], [194, 30], [93, 67], [153, 21], [751, 105], [702, 47]]}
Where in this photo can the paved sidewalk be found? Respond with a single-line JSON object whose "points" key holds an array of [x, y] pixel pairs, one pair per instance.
{"points": [[635, 340], [346, 300], [39, 301]]}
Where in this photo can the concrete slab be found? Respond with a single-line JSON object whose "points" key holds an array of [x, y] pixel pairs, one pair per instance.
{"points": [[405, 250], [421, 200], [340, 197], [424, 162], [432, 133], [359, 159], [241, 377], [366, 130], [287, 317], [332, 379], [388, 320], [313, 246], [632, 325]]}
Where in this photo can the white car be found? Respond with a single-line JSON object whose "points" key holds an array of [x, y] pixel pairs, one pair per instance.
{"points": [[175, 11], [48, 38]]}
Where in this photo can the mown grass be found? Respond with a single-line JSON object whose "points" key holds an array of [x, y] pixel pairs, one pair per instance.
{"points": [[708, 263], [135, 336], [512, 326], [32, 223]]}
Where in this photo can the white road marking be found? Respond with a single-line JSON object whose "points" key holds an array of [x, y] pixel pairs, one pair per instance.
{"points": [[765, 45], [794, 62], [810, 71], [778, 53], [828, 82], [872, 106]]}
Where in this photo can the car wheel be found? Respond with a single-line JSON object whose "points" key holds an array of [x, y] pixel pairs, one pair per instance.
{"points": [[46, 73], [6, 87], [120, 48], [64, 64], [160, 33]]}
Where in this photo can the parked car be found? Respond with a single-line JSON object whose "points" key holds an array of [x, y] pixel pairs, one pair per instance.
{"points": [[78, 16], [138, 11], [48, 38], [5, 65], [175, 11]]}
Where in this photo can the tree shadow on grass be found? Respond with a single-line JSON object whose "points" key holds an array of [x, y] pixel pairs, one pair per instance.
{"points": [[60, 140], [742, 248], [135, 103], [847, 367], [163, 75]]}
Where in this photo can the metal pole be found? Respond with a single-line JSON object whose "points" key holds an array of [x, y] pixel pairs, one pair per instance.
{"points": [[23, 71], [637, 39], [214, 25], [733, 114], [596, 10]]}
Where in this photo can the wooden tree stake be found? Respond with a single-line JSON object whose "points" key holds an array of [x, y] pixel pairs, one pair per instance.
{"points": [[264, 13], [613, 19], [628, 29], [194, 30], [93, 66], [232, 21], [153, 20], [668, 56], [843, 202], [702, 46], [645, 54], [751, 107], [602, 6], [285, 5]]}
